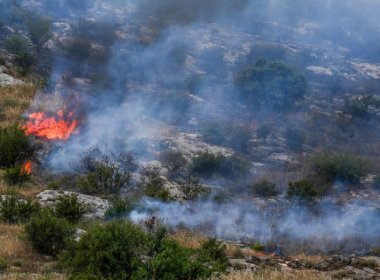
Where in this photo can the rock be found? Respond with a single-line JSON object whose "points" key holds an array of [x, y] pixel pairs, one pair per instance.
{"points": [[242, 264], [7, 80], [96, 206]]}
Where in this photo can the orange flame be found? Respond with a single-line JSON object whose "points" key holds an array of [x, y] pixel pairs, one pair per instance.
{"points": [[52, 128], [27, 168]]}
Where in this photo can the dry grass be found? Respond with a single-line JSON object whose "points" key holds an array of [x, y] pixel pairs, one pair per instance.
{"points": [[189, 239], [276, 275], [14, 101], [18, 254], [314, 259], [27, 191], [33, 276]]}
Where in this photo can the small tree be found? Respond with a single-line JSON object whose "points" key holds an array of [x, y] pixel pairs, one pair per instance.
{"points": [[39, 31], [69, 207], [14, 210], [302, 190], [192, 188], [47, 233], [265, 188], [153, 184], [16, 45]]}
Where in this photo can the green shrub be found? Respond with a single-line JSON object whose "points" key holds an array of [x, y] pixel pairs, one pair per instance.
{"points": [[213, 253], [124, 251], [264, 131], [105, 177], [302, 190], [258, 247], [192, 188], [119, 209], [271, 85], [173, 160], [16, 175], [153, 185], [69, 207], [79, 49], [39, 31], [47, 233], [339, 166], [294, 139], [208, 164], [3, 264], [265, 188], [16, 45], [360, 106], [25, 62], [112, 251], [14, 210], [15, 147]]}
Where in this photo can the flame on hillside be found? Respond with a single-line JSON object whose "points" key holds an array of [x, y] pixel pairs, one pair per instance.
{"points": [[27, 168], [59, 127]]}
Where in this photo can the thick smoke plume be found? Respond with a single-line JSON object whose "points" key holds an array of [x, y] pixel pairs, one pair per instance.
{"points": [[173, 63]]}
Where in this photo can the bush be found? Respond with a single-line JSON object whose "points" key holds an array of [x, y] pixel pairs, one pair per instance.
{"points": [[294, 139], [47, 233], [265, 188], [105, 177], [302, 190], [173, 160], [15, 147], [13, 210], [192, 188], [119, 209], [360, 106], [153, 185], [339, 166], [16, 175], [271, 85], [125, 251], [79, 49], [208, 164], [69, 207], [16, 45], [25, 61], [112, 251], [39, 31], [263, 132]]}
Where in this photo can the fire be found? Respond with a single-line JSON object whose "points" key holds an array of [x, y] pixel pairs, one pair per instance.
{"points": [[52, 128], [27, 168]]}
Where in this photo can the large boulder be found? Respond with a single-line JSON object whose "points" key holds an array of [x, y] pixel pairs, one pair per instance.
{"points": [[96, 206]]}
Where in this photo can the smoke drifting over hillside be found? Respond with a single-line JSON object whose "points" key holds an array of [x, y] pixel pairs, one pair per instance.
{"points": [[158, 66]]}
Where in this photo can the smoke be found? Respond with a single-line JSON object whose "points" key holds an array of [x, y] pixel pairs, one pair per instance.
{"points": [[154, 65]]}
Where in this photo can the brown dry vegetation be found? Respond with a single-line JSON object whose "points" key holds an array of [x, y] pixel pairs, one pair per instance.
{"points": [[18, 255], [33, 276], [189, 239], [275, 275], [14, 101]]}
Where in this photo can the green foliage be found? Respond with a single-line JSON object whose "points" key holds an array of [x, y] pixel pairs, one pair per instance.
{"points": [[119, 209], [192, 188], [79, 49], [208, 164], [302, 190], [3, 264], [47, 233], [173, 160], [113, 251], [69, 207], [153, 185], [263, 132], [271, 85], [39, 31], [258, 247], [14, 210], [16, 175], [233, 136], [265, 188], [16, 45], [105, 177], [124, 251], [15, 147], [294, 139], [25, 62], [360, 106], [213, 253], [339, 166]]}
